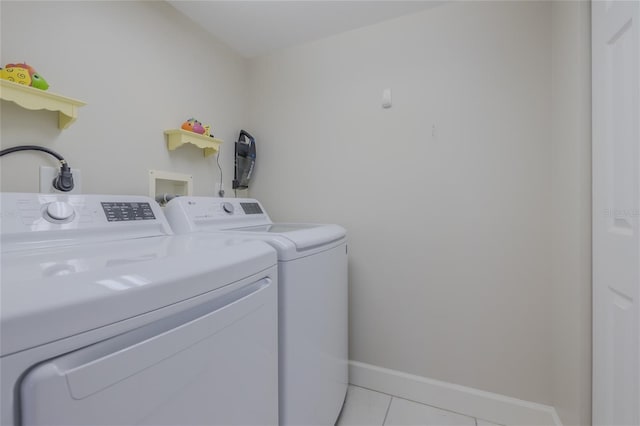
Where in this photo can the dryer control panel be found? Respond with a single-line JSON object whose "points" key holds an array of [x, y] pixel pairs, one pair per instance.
{"points": [[74, 217]]}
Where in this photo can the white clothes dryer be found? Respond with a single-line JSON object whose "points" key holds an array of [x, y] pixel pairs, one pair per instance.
{"points": [[313, 299], [108, 319]]}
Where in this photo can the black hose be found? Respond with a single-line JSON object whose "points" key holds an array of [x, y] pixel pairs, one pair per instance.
{"points": [[64, 181], [32, 148]]}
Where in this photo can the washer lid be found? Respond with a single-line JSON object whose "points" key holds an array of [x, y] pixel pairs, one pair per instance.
{"points": [[295, 239], [277, 228], [53, 293]]}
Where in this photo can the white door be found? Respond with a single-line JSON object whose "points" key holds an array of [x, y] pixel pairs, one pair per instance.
{"points": [[616, 212]]}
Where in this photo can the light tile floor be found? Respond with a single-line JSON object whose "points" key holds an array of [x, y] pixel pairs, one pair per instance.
{"points": [[364, 407]]}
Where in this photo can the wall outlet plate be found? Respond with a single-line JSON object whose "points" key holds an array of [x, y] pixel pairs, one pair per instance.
{"points": [[47, 174]]}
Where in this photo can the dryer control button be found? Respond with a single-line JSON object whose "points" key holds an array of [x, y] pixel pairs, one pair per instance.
{"points": [[59, 210], [227, 207]]}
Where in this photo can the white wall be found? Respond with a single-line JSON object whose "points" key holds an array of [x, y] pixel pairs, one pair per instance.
{"points": [[571, 211], [142, 68], [449, 234]]}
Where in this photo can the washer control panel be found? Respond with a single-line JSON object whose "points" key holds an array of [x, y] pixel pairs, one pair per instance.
{"points": [[187, 214]]}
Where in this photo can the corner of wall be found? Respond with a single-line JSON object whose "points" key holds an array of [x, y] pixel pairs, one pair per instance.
{"points": [[571, 195]]}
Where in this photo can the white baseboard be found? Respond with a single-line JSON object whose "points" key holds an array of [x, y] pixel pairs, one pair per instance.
{"points": [[484, 405]]}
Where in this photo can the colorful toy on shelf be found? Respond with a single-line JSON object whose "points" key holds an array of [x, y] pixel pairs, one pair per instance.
{"points": [[23, 74], [193, 125]]}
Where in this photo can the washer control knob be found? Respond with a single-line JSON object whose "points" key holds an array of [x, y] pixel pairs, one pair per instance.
{"points": [[59, 210], [227, 207]]}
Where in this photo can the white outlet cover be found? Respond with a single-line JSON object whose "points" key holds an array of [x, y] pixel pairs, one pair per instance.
{"points": [[47, 174]]}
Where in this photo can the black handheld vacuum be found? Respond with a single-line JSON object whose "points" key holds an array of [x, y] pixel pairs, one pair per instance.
{"points": [[245, 160]]}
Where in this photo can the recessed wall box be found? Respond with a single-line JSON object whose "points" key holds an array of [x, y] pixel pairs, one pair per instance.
{"points": [[170, 183]]}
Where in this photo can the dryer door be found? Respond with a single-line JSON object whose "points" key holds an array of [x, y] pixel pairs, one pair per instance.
{"points": [[215, 363]]}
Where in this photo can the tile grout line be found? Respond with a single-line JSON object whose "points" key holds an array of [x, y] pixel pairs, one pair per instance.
{"points": [[413, 400], [475, 420], [387, 413], [374, 390]]}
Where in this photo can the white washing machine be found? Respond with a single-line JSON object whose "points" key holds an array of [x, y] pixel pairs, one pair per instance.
{"points": [[313, 299], [108, 319]]}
